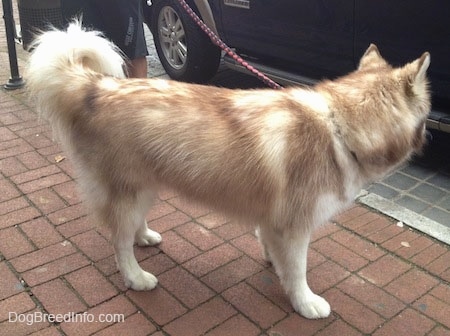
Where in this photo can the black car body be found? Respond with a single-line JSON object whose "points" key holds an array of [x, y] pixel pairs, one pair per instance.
{"points": [[302, 41]]}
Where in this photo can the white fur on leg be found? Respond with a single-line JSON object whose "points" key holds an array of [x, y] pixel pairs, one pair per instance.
{"points": [[123, 239], [265, 252], [310, 305], [146, 237], [134, 276], [288, 252]]}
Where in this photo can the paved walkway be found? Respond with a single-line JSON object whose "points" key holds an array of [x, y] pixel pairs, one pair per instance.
{"points": [[419, 193], [380, 278]]}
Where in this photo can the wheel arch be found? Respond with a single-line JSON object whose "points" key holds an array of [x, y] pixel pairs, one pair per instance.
{"points": [[201, 7], [206, 14]]}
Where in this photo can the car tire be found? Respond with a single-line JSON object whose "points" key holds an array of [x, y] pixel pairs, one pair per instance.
{"points": [[185, 51]]}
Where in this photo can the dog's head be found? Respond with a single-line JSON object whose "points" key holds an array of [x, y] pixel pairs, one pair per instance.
{"points": [[384, 110]]}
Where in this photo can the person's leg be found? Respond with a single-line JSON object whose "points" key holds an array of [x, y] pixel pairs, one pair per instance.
{"points": [[138, 61], [137, 67], [123, 24]]}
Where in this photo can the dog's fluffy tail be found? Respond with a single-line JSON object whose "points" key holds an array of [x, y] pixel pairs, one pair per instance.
{"points": [[63, 63]]}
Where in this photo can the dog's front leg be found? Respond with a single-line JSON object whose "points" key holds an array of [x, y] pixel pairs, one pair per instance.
{"points": [[288, 253]]}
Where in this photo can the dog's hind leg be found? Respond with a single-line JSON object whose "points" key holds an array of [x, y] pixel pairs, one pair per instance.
{"points": [[264, 248], [288, 253], [128, 217], [144, 235]]}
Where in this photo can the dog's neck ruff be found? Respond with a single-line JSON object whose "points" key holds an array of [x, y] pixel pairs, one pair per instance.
{"points": [[338, 133]]}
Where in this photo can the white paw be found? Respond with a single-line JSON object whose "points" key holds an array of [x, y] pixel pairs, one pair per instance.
{"points": [[312, 306], [143, 281], [148, 238]]}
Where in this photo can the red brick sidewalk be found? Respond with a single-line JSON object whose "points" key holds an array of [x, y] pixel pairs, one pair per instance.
{"points": [[379, 278]]}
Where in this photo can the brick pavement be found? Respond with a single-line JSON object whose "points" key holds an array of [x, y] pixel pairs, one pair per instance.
{"points": [[379, 278]]}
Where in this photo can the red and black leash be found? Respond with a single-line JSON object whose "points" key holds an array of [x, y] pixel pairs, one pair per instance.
{"points": [[217, 41]]}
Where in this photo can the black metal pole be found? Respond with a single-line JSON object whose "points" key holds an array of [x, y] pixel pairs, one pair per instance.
{"points": [[16, 80]]}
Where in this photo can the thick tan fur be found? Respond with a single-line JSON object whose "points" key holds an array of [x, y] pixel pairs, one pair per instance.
{"points": [[285, 161]]}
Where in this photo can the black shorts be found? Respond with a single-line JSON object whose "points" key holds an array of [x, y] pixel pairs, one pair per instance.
{"points": [[120, 20]]}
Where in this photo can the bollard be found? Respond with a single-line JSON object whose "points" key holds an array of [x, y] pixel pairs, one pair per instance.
{"points": [[15, 81]]}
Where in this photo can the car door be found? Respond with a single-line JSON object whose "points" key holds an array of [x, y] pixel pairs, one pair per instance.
{"points": [[403, 30], [314, 37]]}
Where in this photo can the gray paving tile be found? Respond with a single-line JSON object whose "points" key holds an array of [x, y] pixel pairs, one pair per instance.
{"points": [[412, 204], [441, 181], [438, 215], [383, 191], [417, 171], [428, 193], [400, 181], [445, 203]]}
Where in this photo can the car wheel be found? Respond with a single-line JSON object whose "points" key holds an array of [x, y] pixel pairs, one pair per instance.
{"points": [[185, 51]]}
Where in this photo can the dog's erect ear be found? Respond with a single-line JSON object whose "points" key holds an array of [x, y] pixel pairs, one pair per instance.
{"points": [[415, 72], [371, 58], [414, 77], [421, 66]]}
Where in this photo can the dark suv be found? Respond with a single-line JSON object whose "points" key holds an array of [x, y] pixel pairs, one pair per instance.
{"points": [[302, 41]]}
